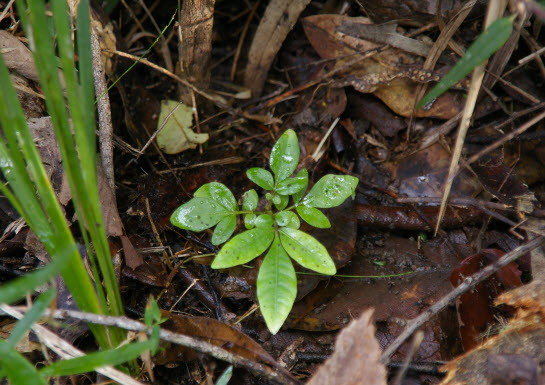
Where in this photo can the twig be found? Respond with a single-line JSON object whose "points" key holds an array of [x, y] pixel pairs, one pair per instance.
{"points": [[105, 127], [215, 162], [417, 340], [201, 346], [492, 13], [507, 137], [241, 40], [318, 153], [216, 99], [465, 286]]}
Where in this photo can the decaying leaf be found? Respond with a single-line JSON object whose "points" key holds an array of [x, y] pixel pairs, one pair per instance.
{"points": [[219, 334], [176, 135], [515, 355], [422, 11], [356, 357], [422, 174], [133, 258], [25, 345], [380, 73], [17, 56], [386, 34], [112, 221]]}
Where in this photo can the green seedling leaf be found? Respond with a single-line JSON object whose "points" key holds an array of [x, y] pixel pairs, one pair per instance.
{"points": [[153, 313], [218, 192], [287, 219], [249, 203], [263, 220], [261, 177], [176, 135], [307, 251], [154, 338], [486, 44], [244, 247], [293, 185], [223, 231], [249, 221], [281, 201], [285, 155], [249, 200], [313, 217], [276, 286], [331, 191], [298, 195], [198, 214]]}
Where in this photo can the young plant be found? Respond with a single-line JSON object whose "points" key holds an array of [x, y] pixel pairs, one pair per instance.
{"points": [[277, 230]]}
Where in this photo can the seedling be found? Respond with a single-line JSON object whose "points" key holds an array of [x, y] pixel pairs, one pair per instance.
{"points": [[273, 229]]}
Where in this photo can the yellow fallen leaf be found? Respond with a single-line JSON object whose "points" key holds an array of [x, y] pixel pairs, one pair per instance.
{"points": [[176, 135]]}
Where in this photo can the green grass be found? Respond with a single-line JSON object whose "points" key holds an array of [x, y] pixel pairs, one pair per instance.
{"points": [[27, 186]]}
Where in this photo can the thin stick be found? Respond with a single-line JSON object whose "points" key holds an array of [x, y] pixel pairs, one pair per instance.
{"points": [[241, 40], [317, 155], [218, 100], [493, 11], [465, 286], [506, 138], [105, 127], [417, 340]]}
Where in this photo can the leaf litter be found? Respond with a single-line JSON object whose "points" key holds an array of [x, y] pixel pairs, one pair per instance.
{"points": [[360, 244]]}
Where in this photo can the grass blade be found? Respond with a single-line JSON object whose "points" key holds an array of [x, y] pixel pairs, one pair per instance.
{"points": [[95, 360], [17, 368], [486, 44]]}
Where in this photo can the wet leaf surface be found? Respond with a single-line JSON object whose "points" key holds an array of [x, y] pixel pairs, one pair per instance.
{"points": [[219, 334]]}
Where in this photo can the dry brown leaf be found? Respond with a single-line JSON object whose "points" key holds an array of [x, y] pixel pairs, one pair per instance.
{"points": [[386, 34], [356, 357], [24, 345], [513, 356], [279, 18], [530, 297], [534, 228], [422, 11], [133, 258], [36, 248], [17, 56], [44, 137], [219, 334], [106, 38], [399, 93], [112, 221]]}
